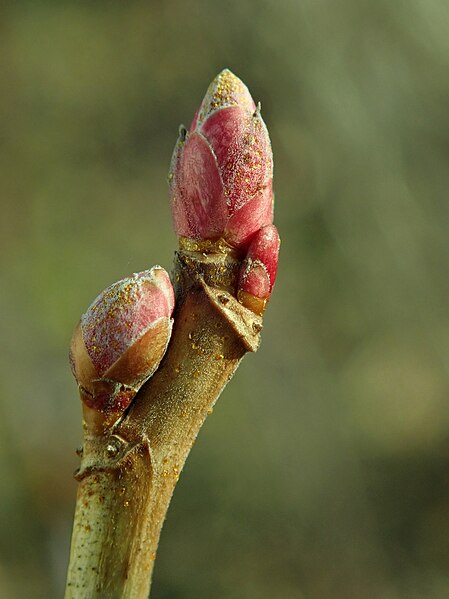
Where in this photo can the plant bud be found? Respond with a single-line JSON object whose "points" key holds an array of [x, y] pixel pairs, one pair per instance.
{"points": [[121, 339], [221, 172], [258, 272]]}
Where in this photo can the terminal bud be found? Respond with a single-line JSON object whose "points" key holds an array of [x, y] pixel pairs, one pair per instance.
{"points": [[222, 169]]}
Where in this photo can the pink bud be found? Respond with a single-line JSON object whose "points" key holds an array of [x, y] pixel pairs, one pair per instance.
{"points": [[258, 272], [122, 338], [222, 170]]}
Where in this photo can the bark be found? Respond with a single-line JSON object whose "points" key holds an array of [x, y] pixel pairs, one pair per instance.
{"points": [[128, 472]]}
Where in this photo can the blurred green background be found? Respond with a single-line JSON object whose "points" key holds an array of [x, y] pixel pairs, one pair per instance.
{"points": [[324, 469]]}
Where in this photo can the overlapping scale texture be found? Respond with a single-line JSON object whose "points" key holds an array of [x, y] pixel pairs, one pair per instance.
{"points": [[122, 338], [222, 170]]}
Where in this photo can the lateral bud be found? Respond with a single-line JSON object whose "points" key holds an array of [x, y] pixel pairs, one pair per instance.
{"points": [[120, 342], [258, 271]]}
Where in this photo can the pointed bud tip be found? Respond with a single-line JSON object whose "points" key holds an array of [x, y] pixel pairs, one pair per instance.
{"points": [[226, 90]]}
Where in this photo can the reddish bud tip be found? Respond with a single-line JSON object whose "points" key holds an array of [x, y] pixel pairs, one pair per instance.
{"points": [[221, 172], [122, 338], [258, 272]]}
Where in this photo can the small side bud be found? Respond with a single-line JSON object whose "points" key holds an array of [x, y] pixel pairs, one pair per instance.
{"points": [[258, 272], [121, 340]]}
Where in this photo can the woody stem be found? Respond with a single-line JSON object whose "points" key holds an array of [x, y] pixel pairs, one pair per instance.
{"points": [[128, 473]]}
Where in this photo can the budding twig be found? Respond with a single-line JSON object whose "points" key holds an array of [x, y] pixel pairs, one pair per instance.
{"points": [[136, 441]]}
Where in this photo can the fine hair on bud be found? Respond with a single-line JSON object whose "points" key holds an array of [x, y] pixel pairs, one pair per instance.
{"points": [[121, 339]]}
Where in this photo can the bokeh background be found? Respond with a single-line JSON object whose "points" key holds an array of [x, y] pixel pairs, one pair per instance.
{"points": [[324, 469]]}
